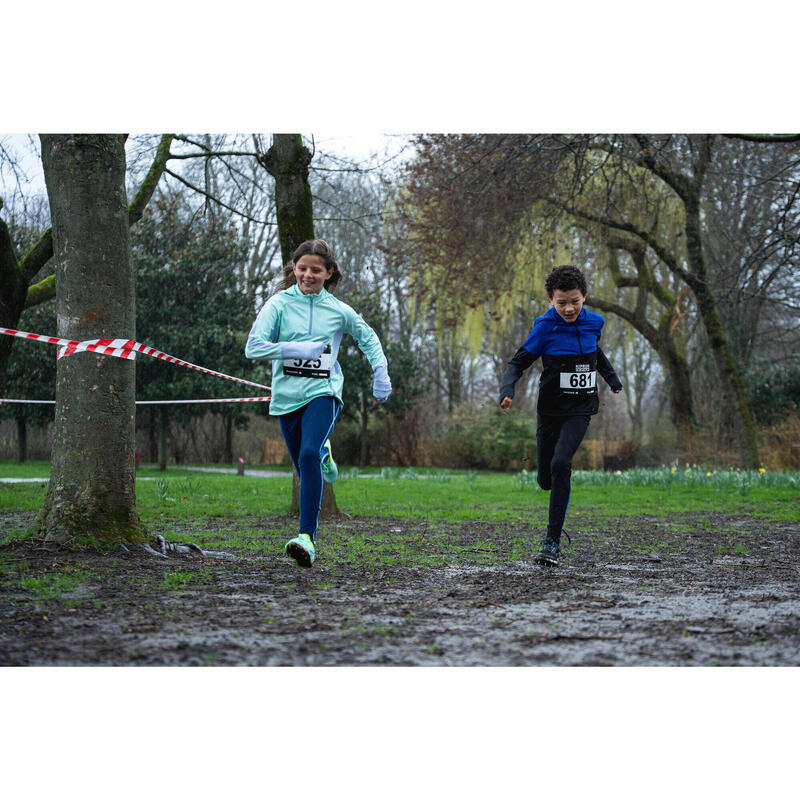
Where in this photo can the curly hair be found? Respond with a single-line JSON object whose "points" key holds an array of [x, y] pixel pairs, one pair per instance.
{"points": [[565, 278], [312, 247]]}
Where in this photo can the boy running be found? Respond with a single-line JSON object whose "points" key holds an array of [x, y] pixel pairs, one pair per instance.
{"points": [[566, 337]]}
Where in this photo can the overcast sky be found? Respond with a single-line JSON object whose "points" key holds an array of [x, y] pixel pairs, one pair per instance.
{"points": [[355, 146]]}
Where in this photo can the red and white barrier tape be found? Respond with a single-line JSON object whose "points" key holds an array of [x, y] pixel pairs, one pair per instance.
{"points": [[121, 348], [215, 400], [161, 402]]}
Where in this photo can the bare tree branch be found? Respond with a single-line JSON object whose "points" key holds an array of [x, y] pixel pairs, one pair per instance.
{"points": [[216, 200], [669, 260], [765, 138]]}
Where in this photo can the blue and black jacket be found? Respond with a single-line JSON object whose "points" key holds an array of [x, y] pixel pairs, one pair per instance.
{"points": [[571, 358]]}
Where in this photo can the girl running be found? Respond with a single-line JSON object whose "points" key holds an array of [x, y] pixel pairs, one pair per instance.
{"points": [[300, 329]]}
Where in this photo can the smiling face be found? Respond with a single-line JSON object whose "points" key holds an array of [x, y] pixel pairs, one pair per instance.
{"points": [[568, 304], [311, 273]]}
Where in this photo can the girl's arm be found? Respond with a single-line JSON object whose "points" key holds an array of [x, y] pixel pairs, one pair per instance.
{"points": [[263, 345], [370, 345]]}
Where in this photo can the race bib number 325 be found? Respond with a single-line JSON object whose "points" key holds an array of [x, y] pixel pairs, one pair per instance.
{"points": [[309, 367], [578, 380]]}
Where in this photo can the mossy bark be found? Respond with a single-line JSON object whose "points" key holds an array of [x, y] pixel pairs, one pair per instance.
{"points": [[13, 287], [287, 161], [91, 498]]}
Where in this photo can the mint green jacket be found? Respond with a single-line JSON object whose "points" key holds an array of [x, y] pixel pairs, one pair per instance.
{"points": [[291, 316]]}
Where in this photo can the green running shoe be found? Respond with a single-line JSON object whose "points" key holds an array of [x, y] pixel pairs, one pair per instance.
{"points": [[330, 472], [548, 554], [301, 549]]}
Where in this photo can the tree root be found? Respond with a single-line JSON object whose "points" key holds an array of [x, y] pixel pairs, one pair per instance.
{"points": [[161, 548]]}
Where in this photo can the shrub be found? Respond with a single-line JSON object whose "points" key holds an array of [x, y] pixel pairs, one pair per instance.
{"points": [[487, 438]]}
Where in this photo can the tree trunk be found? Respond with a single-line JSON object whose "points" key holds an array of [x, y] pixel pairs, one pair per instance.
{"points": [[329, 507], [163, 436], [151, 436], [13, 288], [676, 368], [679, 386], [364, 454], [287, 161], [733, 391], [22, 440], [91, 498], [228, 440]]}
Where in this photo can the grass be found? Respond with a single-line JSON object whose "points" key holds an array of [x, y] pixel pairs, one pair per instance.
{"points": [[178, 580], [51, 587], [219, 510]]}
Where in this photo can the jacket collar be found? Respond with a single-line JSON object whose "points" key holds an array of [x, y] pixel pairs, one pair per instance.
{"points": [[294, 290], [552, 314]]}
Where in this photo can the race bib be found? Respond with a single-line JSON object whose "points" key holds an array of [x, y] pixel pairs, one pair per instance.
{"points": [[582, 378], [309, 367]]}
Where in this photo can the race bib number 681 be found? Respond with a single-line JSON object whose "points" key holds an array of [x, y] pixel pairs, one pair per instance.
{"points": [[578, 380]]}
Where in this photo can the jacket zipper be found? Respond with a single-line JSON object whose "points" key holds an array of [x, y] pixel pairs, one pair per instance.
{"points": [[310, 314], [578, 334]]}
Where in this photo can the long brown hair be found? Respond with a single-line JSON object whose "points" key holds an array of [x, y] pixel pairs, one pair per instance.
{"points": [[312, 247]]}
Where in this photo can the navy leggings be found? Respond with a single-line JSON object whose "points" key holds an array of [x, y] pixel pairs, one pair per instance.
{"points": [[557, 439], [305, 431]]}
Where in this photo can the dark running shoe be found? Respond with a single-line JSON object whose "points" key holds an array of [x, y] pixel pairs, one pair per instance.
{"points": [[548, 554]]}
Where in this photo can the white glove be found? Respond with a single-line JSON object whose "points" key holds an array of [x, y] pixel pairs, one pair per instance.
{"points": [[304, 350], [381, 385]]}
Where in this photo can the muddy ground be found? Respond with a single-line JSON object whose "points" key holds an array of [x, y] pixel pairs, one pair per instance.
{"points": [[692, 589]]}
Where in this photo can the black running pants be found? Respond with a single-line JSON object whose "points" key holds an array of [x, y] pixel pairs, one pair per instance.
{"points": [[557, 439]]}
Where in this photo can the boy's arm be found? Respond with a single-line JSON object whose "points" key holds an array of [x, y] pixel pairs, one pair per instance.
{"points": [[521, 361], [607, 371]]}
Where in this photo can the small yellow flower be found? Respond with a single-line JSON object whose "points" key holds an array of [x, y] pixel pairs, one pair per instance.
{"points": [[708, 474], [761, 470]]}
